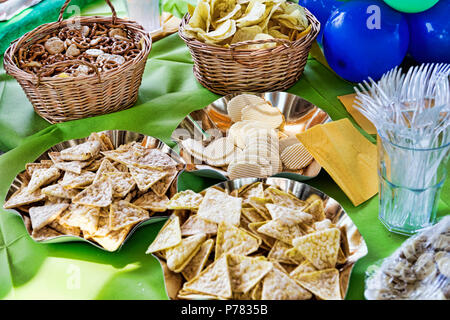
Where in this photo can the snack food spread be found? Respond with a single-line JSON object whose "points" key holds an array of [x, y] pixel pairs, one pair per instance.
{"points": [[228, 22], [258, 242], [94, 190]]}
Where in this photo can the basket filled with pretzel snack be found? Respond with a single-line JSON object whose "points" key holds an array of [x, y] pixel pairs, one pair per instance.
{"points": [[80, 67]]}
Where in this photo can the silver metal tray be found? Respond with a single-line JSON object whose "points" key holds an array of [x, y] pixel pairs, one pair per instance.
{"points": [[118, 137], [299, 115], [333, 210]]}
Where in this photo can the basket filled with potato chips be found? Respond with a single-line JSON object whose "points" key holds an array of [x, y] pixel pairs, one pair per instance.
{"points": [[98, 189], [250, 135], [80, 67], [248, 45], [257, 239]]}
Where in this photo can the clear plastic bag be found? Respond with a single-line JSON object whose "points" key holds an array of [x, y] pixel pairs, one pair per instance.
{"points": [[418, 270]]}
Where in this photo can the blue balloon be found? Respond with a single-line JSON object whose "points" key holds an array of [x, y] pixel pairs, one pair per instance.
{"points": [[365, 38], [322, 10], [430, 34]]}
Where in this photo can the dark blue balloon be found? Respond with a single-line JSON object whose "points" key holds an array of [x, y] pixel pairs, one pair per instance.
{"points": [[365, 38], [322, 10], [430, 34]]}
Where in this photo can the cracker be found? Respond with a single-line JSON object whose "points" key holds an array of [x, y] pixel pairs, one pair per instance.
{"points": [[214, 280], [179, 256], [31, 167], [219, 207], [198, 262], [169, 236], [188, 200], [123, 214], [43, 215], [195, 224], [324, 284], [231, 239], [320, 248], [105, 167], [246, 272], [98, 194], [64, 229]]}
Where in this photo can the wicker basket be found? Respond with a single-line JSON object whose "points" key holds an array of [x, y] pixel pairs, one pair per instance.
{"points": [[63, 99], [228, 70]]}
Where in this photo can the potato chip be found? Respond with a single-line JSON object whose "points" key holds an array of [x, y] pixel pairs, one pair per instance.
{"points": [[277, 285], [244, 169], [44, 215], [147, 177], [197, 263], [42, 177], [246, 272], [83, 217], [214, 280], [231, 239], [296, 157], [81, 152], [244, 34], [57, 190], [281, 230], [22, 197], [219, 207], [98, 194], [320, 248], [324, 284], [238, 129], [201, 16], [195, 224], [123, 214], [239, 102], [253, 15], [180, 255], [223, 31], [188, 200], [219, 152], [169, 236], [151, 201]]}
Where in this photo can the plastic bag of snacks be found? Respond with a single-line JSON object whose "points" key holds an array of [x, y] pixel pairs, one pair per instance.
{"points": [[418, 270]]}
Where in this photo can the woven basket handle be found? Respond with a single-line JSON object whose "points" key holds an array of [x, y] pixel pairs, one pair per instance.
{"points": [[63, 8], [257, 54], [64, 63]]}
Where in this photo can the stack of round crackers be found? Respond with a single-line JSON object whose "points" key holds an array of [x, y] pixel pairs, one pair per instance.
{"points": [[255, 145], [94, 190], [257, 243]]}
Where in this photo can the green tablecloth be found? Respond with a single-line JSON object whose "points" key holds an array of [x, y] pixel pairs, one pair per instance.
{"points": [[168, 93]]}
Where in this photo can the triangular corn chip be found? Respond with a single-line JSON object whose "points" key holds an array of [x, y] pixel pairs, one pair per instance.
{"points": [[179, 256], [57, 190], [231, 239], [217, 206], [320, 248], [151, 201], [23, 197], [304, 267], [169, 236], [280, 230], [64, 229], [45, 233], [146, 177], [195, 224], [285, 199], [197, 263], [214, 280], [83, 217], [122, 183], [259, 204], [81, 152], [42, 216], [123, 214], [72, 180], [42, 177], [287, 214], [277, 285], [98, 194], [279, 253], [246, 272], [254, 226], [188, 200], [161, 186], [324, 283], [105, 167], [252, 215], [253, 190], [113, 239], [316, 209]]}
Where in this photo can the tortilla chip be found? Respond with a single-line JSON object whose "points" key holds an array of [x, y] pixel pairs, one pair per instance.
{"points": [[105, 167], [122, 183], [169, 236], [214, 280], [320, 248], [284, 199], [281, 230], [324, 284], [22, 197], [231, 239], [161, 186], [146, 177], [195, 224], [113, 239], [277, 285], [253, 190], [123, 214], [72, 180], [246, 272], [252, 215], [151, 201], [304, 267], [288, 215], [316, 209], [105, 142], [42, 216], [45, 233], [31, 167], [197, 263], [42, 177], [259, 204], [81, 152], [179, 256], [64, 229], [98, 194], [187, 200], [254, 226], [84, 217], [57, 190], [219, 207], [279, 253]]}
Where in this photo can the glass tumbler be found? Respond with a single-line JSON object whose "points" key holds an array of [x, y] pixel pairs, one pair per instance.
{"points": [[410, 183], [146, 13]]}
